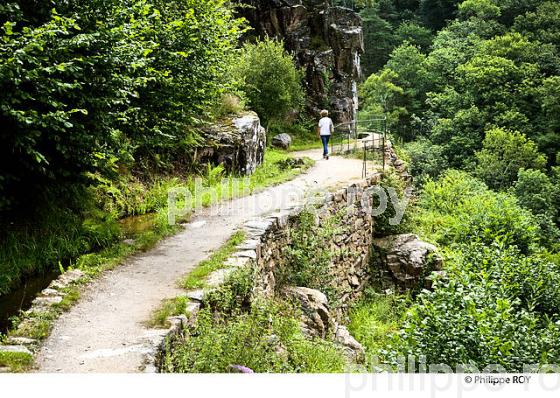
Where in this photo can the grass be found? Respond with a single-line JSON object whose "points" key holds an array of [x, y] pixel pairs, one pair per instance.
{"points": [[170, 307], [35, 325], [266, 338], [305, 144], [374, 319], [274, 171], [196, 279], [16, 361]]}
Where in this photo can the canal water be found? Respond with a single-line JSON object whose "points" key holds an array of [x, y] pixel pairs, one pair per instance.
{"points": [[20, 299]]}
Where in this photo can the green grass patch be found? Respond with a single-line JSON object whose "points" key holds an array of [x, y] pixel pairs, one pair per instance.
{"points": [[71, 296], [197, 277], [36, 325], [170, 307], [16, 361], [374, 319], [276, 169], [305, 144]]}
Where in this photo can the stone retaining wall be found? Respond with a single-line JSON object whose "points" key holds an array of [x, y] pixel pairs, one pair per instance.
{"points": [[351, 245]]}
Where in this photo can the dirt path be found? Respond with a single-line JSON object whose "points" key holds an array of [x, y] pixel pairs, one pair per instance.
{"points": [[104, 331]]}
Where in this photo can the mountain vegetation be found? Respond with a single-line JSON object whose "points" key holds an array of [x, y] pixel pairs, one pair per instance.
{"points": [[475, 113]]}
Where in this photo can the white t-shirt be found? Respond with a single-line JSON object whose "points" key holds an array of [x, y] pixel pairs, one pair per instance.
{"points": [[325, 124]]}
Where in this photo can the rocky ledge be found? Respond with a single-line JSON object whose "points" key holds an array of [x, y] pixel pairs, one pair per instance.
{"points": [[238, 143]]}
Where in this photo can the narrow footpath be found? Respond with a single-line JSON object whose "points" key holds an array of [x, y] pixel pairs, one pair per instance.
{"points": [[105, 331]]}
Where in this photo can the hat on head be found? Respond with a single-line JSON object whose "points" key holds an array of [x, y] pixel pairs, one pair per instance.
{"points": [[324, 113]]}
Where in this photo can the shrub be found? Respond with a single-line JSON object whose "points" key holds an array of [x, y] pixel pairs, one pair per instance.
{"points": [[235, 329], [427, 160], [382, 222], [265, 339], [458, 208], [540, 194], [104, 82], [503, 154], [270, 81], [495, 307], [309, 255], [535, 191]]}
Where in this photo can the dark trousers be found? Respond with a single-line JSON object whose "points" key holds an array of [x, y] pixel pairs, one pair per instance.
{"points": [[325, 139]]}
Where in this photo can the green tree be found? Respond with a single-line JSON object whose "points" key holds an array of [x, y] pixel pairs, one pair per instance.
{"points": [[271, 82], [435, 13], [503, 154], [380, 93], [542, 24], [415, 34], [379, 40], [409, 64], [100, 83], [540, 193], [484, 9]]}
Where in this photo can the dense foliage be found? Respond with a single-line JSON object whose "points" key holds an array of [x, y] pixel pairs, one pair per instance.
{"points": [[495, 307], [497, 65], [264, 336], [90, 86], [482, 98], [498, 302]]}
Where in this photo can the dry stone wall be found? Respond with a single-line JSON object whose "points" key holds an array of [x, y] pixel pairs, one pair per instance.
{"points": [[351, 244]]}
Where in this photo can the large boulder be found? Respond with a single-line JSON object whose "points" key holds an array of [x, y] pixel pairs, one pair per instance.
{"points": [[408, 259], [282, 141], [237, 143], [327, 42]]}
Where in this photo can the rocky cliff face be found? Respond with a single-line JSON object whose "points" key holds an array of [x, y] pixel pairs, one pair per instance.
{"points": [[327, 42]]}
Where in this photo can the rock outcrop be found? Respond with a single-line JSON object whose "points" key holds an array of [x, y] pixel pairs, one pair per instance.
{"points": [[238, 144], [408, 259], [317, 319], [327, 42]]}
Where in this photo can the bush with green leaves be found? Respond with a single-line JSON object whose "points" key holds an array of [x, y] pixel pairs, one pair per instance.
{"points": [[427, 160], [536, 191], [265, 339], [309, 255], [271, 82], [503, 154], [458, 208], [540, 193], [95, 85], [495, 306], [382, 222]]}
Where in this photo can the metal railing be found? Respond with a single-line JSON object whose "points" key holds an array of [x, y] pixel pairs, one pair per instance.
{"points": [[369, 132], [372, 132]]}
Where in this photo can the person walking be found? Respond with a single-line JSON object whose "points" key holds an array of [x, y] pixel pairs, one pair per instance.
{"points": [[324, 131]]}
